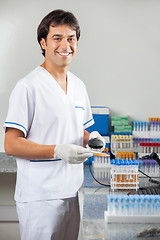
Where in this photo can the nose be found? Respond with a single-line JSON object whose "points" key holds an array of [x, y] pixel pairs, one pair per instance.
{"points": [[64, 44]]}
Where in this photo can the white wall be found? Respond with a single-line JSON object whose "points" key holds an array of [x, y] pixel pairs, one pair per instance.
{"points": [[118, 58]]}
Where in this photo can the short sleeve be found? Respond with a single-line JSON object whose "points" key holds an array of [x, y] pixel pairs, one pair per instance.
{"points": [[88, 118], [21, 109]]}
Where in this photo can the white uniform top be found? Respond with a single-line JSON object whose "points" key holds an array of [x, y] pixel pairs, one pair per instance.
{"points": [[46, 115]]}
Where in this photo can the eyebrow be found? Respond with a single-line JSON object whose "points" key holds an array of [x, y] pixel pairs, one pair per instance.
{"points": [[60, 35]]}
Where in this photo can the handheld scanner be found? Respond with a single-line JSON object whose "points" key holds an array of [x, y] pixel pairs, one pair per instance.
{"points": [[95, 143], [155, 157], [96, 146]]}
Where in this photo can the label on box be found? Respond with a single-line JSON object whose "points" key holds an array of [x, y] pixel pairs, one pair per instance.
{"points": [[119, 121], [123, 128]]}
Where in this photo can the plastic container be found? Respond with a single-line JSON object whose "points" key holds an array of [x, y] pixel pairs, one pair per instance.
{"points": [[101, 118]]}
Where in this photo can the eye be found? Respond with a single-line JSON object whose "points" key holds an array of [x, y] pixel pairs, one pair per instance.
{"points": [[72, 39], [57, 39]]}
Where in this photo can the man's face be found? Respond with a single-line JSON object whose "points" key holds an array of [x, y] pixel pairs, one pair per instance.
{"points": [[60, 46]]}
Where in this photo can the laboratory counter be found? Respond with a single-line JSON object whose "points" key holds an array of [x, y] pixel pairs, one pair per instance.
{"points": [[93, 204], [7, 164]]}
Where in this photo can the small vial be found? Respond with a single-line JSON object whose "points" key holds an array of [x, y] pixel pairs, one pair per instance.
{"points": [[142, 148], [151, 147], [131, 175], [118, 172], [116, 204], [148, 205], [113, 141], [121, 204], [146, 126], [135, 171], [127, 171], [151, 126], [136, 209], [120, 142], [141, 205], [131, 141], [131, 205], [158, 147], [147, 147], [126, 205], [158, 205], [116, 142]]}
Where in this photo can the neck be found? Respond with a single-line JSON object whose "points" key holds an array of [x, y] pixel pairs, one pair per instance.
{"points": [[59, 73]]}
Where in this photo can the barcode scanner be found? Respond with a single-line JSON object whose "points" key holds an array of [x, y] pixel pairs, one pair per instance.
{"points": [[95, 143], [154, 156]]}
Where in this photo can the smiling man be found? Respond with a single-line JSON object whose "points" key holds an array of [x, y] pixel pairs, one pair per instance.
{"points": [[45, 126], [60, 47]]}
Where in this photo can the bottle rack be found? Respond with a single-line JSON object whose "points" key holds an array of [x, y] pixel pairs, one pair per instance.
{"points": [[146, 148], [101, 162], [124, 174], [146, 142], [130, 183], [121, 143], [147, 129], [103, 175], [146, 134], [126, 155], [149, 167], [130, 219], [133, 208]]}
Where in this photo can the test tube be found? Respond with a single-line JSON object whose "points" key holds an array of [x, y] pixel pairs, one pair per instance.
{"points": [[118, 168]]}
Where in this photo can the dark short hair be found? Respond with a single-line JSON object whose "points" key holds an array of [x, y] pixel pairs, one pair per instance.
{"points": [[57, 17]]}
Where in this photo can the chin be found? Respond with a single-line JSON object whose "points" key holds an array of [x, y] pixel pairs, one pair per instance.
{"points": [[66, 64]]}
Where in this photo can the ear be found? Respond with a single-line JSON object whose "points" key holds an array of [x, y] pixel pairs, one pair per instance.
{"points": [[43, 43]]}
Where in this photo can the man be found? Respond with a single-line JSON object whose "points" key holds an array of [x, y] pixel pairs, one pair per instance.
{"points": [[45, 129]]}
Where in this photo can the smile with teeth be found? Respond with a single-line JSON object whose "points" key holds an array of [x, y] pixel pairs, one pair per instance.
{"points": [[64, 53]]}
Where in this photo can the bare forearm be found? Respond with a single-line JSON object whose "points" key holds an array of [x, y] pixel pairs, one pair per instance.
{"points": [[18, 146], [85, 138], [30, 150]]}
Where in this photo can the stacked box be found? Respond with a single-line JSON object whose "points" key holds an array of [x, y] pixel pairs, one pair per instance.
{"points": [[101, 118], [120, 124], [119, 129], [119, 121]]}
